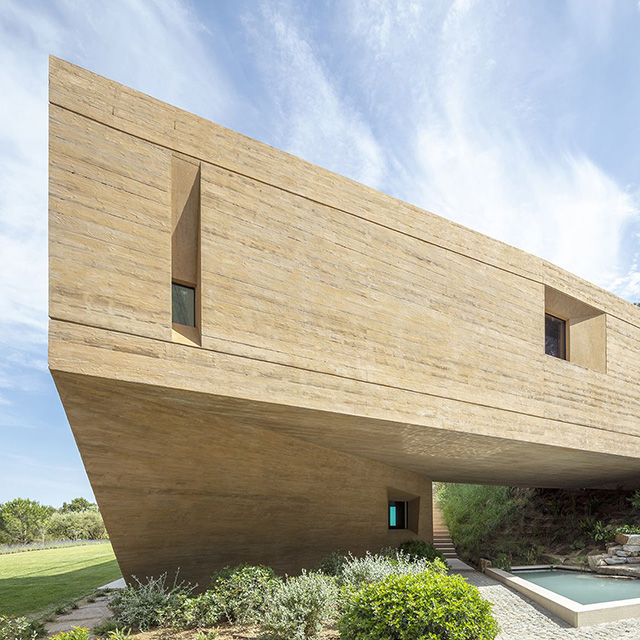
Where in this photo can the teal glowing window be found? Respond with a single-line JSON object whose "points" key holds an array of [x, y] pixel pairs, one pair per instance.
{"points": [[397, 514], [183, 304]]}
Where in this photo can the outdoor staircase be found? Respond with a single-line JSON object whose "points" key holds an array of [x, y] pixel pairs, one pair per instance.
{"points": [[441, 538]]}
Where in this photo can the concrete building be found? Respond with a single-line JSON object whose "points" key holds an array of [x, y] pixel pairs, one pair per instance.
{"points": [[263, 361]]}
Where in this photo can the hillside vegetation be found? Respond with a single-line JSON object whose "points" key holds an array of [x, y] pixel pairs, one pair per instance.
{"points": [[512, 526]]}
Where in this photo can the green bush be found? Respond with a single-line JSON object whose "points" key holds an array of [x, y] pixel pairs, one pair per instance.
{"points": [[627, 530], [197, 612], [476, 515], [77, 633], [298, 607], [145, 605], [420, 549], [425, 606], [104, 628], [374, 568], [243, 591], [597, 530], [332, 564], [19, 628]]}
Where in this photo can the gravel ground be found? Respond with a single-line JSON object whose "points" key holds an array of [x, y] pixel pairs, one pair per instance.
{"points": [[522, 619]]}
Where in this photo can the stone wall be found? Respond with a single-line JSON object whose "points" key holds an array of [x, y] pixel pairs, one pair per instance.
{"points": [[622, 557]]}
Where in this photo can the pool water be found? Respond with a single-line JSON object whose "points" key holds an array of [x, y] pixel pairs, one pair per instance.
{"points": [[585, 588]]}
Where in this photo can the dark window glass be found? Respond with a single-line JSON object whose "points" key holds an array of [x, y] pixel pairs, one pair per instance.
{"points": [[397, 514], [555, 337], [183, 304]]}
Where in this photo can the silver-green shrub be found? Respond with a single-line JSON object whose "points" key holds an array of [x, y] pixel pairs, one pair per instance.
{"points": [[197, 612], [144, 605], [370, 568], [299, 606], [244, 591], [19, 629]]}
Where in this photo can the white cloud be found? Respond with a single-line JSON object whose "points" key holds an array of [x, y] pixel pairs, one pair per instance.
{"points": [[157, 47], [479, 141], [315, 119]]}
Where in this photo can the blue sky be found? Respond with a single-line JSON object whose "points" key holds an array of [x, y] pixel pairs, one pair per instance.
{"points": [[517, 119]]}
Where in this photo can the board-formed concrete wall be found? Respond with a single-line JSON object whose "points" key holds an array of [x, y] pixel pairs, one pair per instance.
{"points": [[329, 315]]}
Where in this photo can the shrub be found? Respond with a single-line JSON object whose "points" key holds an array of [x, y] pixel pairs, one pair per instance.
{"points": [[144, 605], [104, 629], [19, 629], [204, 610], [374, 568], [299, 606], [243, 591], [597, 530], [474, 536], [425, 606], [420, 549], [627, 529], [332, 564], [77, 633]]}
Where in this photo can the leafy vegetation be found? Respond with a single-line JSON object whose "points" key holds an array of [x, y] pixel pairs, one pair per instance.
{"points": [[19, 629], [424, 606], [512, 526], [420, 549], [40, 581], [290, 608], [25, 521], [298, 607], [77, 633], [145, 605], [244, 591]]}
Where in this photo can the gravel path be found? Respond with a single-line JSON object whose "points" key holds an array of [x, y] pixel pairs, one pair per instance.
{"points": [[522, 619]]}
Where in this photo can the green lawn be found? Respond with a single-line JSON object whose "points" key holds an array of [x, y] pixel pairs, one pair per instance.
{"points": [[36, 582]]}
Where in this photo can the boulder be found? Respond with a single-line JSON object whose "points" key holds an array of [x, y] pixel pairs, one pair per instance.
{"points": [[620, 553], [615, 560], [631, 548], [628, 538], [627, 570], [595, 562]]}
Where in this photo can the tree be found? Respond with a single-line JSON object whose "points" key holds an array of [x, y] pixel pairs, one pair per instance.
{"points": [[637, 304], [25, 520], [77, 525], [78, 505]]}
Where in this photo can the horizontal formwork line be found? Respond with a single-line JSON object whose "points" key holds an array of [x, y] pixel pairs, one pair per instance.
{"points": [[359, 380], [336, 208]]}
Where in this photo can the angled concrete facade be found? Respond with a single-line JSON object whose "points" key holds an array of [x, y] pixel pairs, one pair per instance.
{"points": [[347, 348]]}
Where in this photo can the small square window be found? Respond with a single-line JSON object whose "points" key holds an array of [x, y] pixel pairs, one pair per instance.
{"points": [[397, 514], [555, 337], [183, 304]]}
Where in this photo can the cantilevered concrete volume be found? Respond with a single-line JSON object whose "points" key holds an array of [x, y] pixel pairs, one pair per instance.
{"points": [[263, 361]]}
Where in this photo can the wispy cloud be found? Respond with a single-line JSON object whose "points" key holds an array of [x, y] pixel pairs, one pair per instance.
{"points": [[316, 118], [157, 47], [480, 142]]}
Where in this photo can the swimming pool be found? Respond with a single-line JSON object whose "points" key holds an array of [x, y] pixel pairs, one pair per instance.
{"points": [[580, 598], [583, 587]]}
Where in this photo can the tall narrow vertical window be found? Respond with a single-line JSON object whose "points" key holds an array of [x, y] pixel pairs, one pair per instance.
{"points": [[555, 337], [183, 304], [397, 514]]}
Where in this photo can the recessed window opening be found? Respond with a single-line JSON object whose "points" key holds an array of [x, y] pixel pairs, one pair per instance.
{"points": [[555, 337], [397, 514], [183, 304]]}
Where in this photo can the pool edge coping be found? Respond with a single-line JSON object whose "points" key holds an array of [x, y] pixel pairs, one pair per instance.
{"points": [[576, 614]]}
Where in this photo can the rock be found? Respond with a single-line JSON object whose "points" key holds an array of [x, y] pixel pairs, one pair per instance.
{"points": [[595, 562], [624, 538], [633, 560], [620, 571], [622, 554], [612, 548], [615, 560], [632, 548]]}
